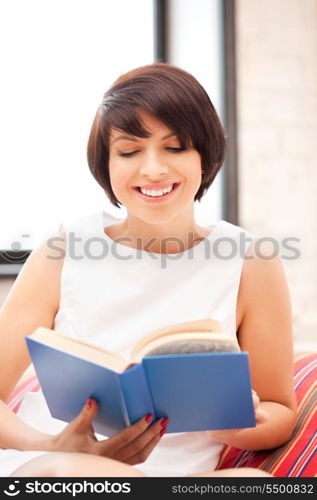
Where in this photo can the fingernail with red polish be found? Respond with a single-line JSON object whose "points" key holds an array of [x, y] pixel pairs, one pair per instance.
{"points": [[148, 417], [88, 403], [163, 431], [165, 422]]}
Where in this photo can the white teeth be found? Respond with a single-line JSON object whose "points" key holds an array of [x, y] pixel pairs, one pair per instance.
{"points": [[158, 192]]}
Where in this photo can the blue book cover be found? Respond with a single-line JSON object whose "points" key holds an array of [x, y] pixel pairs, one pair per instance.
{"points": [[197, 392]]}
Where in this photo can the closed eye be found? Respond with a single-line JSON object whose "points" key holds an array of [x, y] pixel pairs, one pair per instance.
{"points": [[133, 153], [175, 150], [128, 155]]}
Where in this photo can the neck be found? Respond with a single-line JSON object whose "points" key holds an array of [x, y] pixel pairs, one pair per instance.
{"points": [[174, 236]]}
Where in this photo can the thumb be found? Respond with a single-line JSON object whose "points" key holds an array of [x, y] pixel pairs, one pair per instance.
{"points": [[86, 416]]}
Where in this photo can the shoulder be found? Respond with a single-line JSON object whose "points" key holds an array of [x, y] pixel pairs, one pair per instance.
{"points": [[39, 280], [263, 277], [45, 262], [262, 259]]}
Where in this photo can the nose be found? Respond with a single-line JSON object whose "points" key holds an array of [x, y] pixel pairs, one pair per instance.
{"points": [[152, 167]]}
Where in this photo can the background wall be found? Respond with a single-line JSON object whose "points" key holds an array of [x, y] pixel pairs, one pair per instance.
{"points": [[277, 122]]}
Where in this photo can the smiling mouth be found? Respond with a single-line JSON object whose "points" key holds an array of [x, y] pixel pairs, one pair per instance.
{"points": [[137, 188]]}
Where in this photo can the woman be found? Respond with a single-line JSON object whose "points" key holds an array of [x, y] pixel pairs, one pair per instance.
{"points": [[155, 147]]}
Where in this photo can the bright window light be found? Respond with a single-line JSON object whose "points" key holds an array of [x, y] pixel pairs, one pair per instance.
{"points": [[58, 59]]}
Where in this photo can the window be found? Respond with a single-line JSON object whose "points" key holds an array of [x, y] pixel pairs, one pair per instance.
{"points": [[59, 58]]}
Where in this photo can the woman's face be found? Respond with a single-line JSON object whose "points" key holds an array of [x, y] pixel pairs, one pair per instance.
{"points": [[154, 178]]}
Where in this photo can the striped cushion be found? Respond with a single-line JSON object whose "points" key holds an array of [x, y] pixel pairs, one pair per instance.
{"points": [[27, 384], [298, 456]]}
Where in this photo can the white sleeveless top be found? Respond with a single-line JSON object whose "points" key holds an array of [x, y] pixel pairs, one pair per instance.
{"points": [[112, 295]]}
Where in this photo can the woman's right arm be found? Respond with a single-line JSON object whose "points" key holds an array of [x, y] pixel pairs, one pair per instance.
{"points": [[33, 301]]}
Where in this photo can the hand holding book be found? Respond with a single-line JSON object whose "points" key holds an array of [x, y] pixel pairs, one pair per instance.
{"points": [[132, 445], [191, 373]]}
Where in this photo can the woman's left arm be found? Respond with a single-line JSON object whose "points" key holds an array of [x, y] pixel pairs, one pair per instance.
{"points": [[266, 334]]}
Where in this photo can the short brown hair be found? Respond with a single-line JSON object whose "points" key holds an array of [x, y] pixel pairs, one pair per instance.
{"points": [[173, 97]]}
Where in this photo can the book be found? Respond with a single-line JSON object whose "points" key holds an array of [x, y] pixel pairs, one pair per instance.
{"points": [[191, 373]]}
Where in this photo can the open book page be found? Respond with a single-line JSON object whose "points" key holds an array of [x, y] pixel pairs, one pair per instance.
{"points": [[186, 343], [81, 349], [202, 330]]}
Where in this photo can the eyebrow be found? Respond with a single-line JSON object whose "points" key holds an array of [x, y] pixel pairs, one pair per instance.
{"points": [[135, 139]]}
